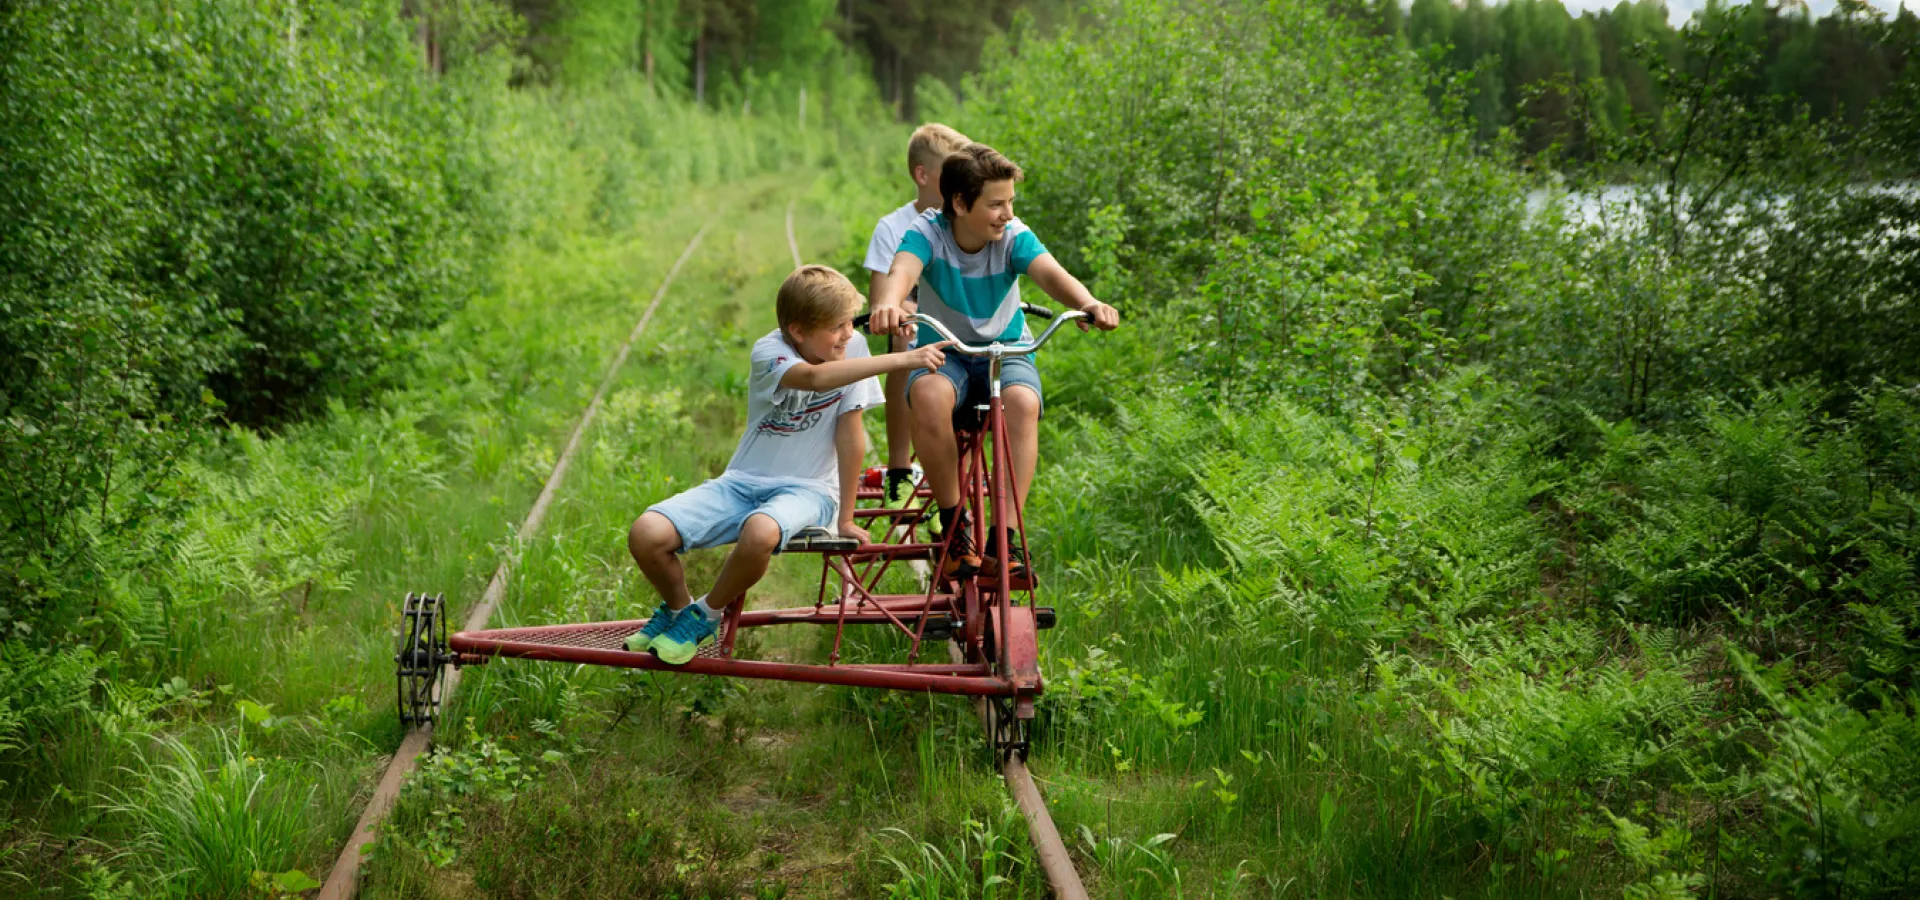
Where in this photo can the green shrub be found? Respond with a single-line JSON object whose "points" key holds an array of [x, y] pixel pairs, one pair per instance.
{"points": [[1271, 231], [1770, 511], [216, 207]]}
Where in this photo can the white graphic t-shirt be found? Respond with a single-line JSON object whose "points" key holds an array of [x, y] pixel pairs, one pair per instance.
{"points": [[886, 237], [790, 431]]}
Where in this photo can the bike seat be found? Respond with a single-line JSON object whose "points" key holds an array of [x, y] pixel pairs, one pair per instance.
{"points": [[970, 419], [816, 539]]}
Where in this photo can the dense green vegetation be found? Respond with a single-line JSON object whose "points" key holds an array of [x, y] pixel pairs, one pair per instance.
{"points": [[290, 324], [1428, 531], [1553, 77], [1453, 548]]}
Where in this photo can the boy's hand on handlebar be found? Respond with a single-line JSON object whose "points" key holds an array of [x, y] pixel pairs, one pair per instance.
{"points": [[928, 357], [1103, 317], [888, 319]]}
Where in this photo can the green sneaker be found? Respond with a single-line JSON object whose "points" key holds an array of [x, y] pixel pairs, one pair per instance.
{"points": [[662, 619], [690, 631]]}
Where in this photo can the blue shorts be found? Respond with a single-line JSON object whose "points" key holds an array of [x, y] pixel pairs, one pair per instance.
{"points": [[711, 515], [968, 375]]}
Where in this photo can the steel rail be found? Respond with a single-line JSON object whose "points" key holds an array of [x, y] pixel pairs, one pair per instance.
{"points": [[343, 882], [1054, 859]]}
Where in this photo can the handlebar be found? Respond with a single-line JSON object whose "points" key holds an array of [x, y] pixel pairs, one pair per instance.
{"points": [[1038, 312], [996, 348]]}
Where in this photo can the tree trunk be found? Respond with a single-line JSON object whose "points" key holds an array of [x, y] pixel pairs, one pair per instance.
{"points": [[646, 42], [420, 34], [700, 65], [896, 83]]}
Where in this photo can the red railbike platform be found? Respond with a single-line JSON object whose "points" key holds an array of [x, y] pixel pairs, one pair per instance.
{"points": [[857, 571], [601, 644], [995, 633]]}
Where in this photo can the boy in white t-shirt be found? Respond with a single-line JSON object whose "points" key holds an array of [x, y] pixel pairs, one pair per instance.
{"points": [[927, 149], [798, 465]]}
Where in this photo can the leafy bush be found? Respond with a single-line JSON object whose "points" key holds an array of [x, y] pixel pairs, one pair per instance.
{"points": [[212, 208], [1292, 235], [1769, 511]]}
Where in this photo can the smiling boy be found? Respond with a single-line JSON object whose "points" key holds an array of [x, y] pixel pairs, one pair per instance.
{"points": [[967, 258], [797, 465]]}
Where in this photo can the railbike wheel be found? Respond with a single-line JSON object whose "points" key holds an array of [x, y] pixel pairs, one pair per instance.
{"points": [[1009, 737], [419, 658]]}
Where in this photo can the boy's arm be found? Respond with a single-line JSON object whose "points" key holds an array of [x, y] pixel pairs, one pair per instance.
{"points": [[1063, 287], [850, 450], [888, 297], [842, 372]]}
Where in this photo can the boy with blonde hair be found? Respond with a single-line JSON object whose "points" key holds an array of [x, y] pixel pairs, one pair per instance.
{"points": [[802, 449], [927, 149]]}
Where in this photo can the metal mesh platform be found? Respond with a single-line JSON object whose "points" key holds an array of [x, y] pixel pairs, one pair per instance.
{"points": [[598, 636]]}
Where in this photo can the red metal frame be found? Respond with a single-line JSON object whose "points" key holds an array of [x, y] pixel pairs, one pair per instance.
{"points": [[982, 614]]}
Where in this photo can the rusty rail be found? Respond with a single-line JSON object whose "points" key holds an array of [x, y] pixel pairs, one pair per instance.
{"points": [[343, 882], [1054, 861]]}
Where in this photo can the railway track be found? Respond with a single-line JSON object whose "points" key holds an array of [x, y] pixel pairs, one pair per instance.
{"points": [[344, 880]]}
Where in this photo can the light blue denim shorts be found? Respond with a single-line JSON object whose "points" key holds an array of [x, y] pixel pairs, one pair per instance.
{"points": [[969, 376], [711, 515]]}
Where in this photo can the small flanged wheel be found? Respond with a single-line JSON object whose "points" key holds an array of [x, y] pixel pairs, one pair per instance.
{"points": [[1008, 735], [419, 659], [939, 628]]}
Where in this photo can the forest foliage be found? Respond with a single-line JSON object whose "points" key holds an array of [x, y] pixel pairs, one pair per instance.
{"points": [[238, 246], [1533, 541], [1560, 539], [1554, 78]]}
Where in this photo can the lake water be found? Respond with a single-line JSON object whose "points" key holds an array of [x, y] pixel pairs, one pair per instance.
{"points": [[1620, 203]]}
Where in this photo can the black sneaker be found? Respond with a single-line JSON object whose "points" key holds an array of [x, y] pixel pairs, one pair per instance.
{"points": [[1017, 569]]}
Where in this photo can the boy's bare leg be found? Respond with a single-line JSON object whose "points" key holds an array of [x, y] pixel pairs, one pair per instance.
{"points": [[652, 540], [747, 564], [1021, 406], [933, 437]]}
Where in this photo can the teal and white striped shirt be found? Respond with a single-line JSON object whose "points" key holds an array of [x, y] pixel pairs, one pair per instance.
{"points": [[976, 295]]}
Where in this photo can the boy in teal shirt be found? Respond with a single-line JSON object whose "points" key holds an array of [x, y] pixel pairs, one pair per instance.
{"points": [[967, 258]]}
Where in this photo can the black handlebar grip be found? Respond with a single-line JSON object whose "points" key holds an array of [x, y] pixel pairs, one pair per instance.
{"points": [[860, 321]]}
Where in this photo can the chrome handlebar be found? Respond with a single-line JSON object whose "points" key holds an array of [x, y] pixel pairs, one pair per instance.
{"points": [[997, 349]]}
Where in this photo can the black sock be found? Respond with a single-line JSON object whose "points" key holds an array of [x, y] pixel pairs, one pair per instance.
{"points": [[897, 481], [947, 515], [1013, 540]]}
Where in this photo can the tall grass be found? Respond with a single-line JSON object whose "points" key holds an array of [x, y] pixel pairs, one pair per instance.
{"points": [[202, 824]]}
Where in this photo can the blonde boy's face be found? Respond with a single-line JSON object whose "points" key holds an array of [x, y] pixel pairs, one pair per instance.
{"points": [[827, 344]]}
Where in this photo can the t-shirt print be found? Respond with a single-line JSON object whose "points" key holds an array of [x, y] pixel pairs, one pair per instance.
{"points": [[789, 433], [781, 422]]}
